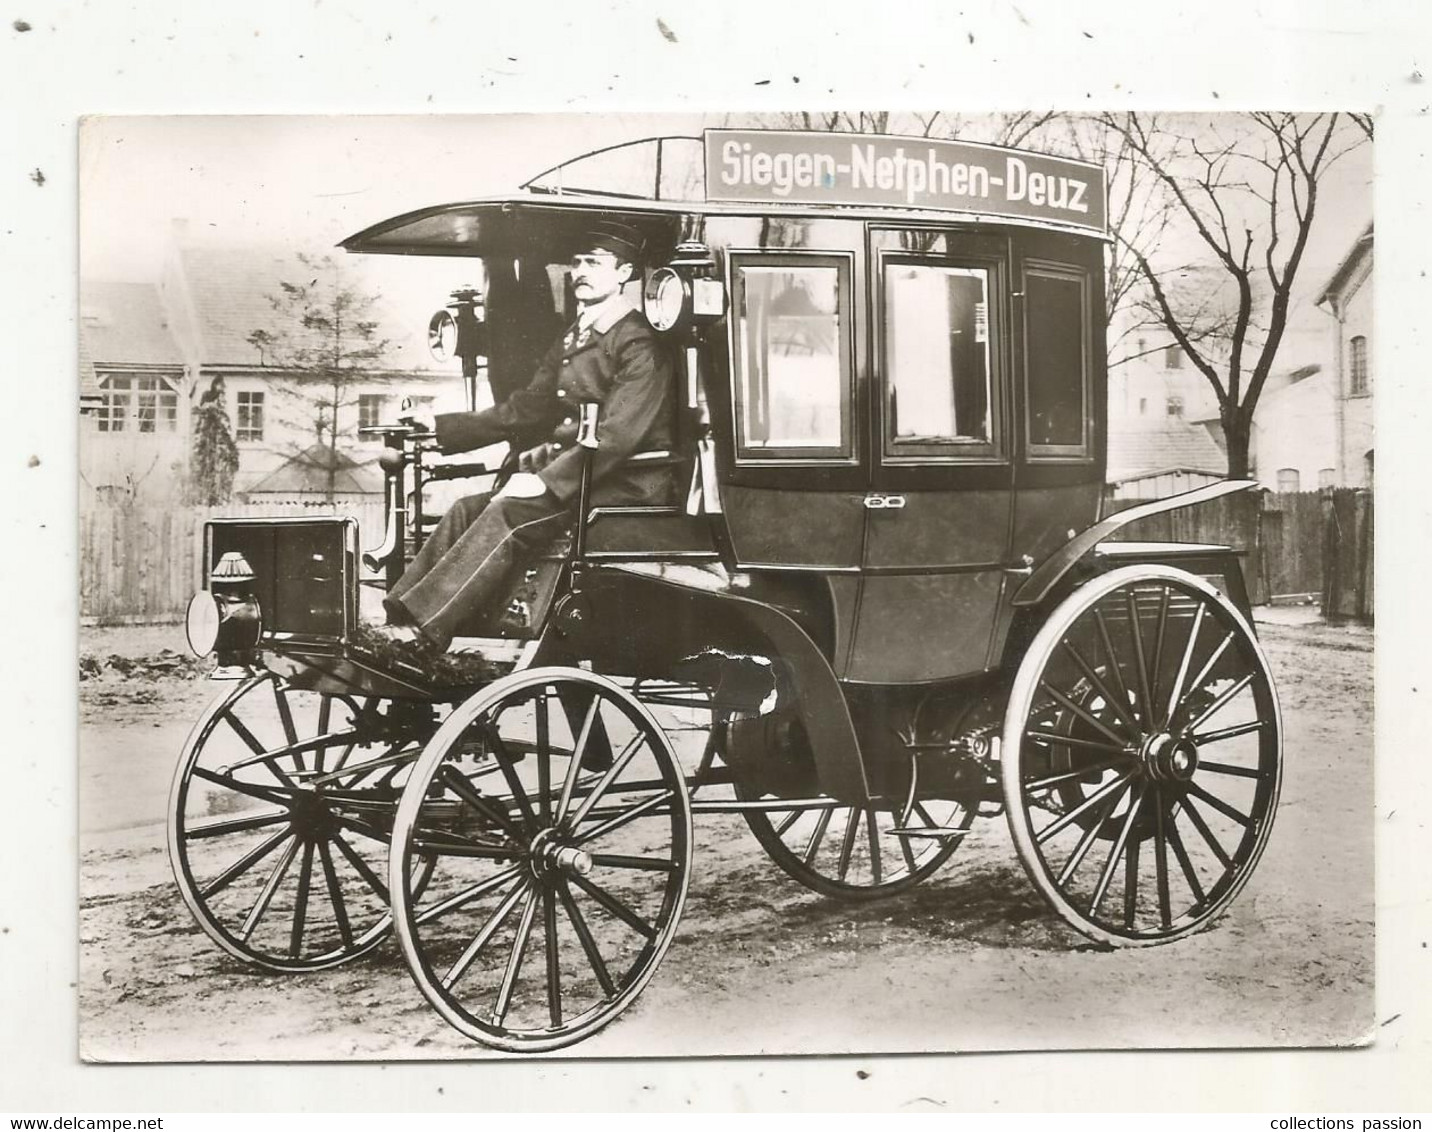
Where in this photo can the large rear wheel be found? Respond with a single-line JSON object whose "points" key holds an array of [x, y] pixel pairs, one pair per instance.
{"points": [[1142, 756]]}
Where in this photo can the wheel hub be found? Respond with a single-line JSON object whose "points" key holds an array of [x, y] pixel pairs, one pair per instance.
{"points": [[1168, 758], [550, 856]]}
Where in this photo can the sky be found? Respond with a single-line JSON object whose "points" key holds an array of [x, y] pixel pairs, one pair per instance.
{"points": [[308, 182]]}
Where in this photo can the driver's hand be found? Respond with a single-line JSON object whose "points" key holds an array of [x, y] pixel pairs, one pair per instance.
{"points": [[523, 485], [417, 416]]}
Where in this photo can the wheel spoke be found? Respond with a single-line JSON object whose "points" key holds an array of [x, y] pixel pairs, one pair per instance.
{"points": [[905, 850], [335, 895], [638, 811], [847, 845], [1175, 839], [1203, 831], [362, 866], [614, 906], [589, 945], [265, 793], [243, 865], [612, 773], [872, 831], [1157, 665], [1136, 634], [1052, 780], [1111, 862], [554, 969], [1200, 739], [1198, 681], [1228, 768], [459, 784], [789, 820], [1097, 724], [468, 895], [485, 933], [285, 715], [644, 864], [1123, 698], [234, 825], [1161, 859], [325, 711], [1090, 835], [251, 741], [508, 765], [300, 902], [1131, 883], [1120, 708], [1053, 738], [1073, 815], [514, 960], [1218, 804], [816, 837], [1176, 694], [575, 764], [275, 878], [1224, 697]]}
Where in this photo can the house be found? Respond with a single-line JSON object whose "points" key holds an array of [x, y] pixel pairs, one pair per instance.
{"points": [[1294, 442], [1348, 297], [133, 390], [150, 350], [1159, 457]]}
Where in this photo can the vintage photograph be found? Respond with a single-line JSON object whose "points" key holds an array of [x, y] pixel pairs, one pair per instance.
{"points": [[725, 584]]}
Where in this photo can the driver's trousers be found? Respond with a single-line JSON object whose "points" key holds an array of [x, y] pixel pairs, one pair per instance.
{"points": [[468, 557]]}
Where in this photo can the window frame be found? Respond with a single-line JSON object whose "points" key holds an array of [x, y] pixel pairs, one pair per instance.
{"points": [[974, 453], [1358, 372], [846, 454], [162, 396], [239, 427], [377, 400], [1083, 452]]}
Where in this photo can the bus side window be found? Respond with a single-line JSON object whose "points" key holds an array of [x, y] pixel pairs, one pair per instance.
{"points": [[1057, 357], [791, 354]]}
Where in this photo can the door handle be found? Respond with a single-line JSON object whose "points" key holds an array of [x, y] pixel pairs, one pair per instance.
{"points": [[879, 501]]}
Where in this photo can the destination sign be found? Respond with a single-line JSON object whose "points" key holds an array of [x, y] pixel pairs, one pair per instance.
{"points": [[826, 168]]}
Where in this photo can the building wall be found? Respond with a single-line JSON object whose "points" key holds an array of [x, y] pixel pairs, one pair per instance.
{"points": [[1357, 409], [1295, 429]]}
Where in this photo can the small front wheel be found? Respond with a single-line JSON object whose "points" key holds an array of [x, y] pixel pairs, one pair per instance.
{"points": [[1142, 756], [556, 815]]}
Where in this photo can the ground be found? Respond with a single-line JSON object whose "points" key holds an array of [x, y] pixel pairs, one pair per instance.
{"points": [[970, 960]]}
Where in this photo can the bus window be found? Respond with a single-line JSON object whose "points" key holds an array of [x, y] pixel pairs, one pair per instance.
{"points": [[938, 360], [792, 374], [1056, 362]]}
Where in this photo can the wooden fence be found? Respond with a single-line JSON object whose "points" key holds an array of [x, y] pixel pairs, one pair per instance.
{"points": [[1312, 546], [140, 562]]}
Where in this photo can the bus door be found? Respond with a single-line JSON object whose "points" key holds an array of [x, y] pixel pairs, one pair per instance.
{"points": [[938, 512]]}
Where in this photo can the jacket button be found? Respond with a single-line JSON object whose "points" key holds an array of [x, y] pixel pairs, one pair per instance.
{"points": [[566, 361], [561, 393]]}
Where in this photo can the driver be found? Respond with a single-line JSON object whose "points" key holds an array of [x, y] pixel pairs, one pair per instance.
{"points": [[609, 356]]}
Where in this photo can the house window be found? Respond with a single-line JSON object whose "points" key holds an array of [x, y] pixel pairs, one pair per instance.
{"points": [[1327, 477], [370, 410], [793, 381], [938, 360], [1288, 480], [1056, 362], [1174, 406], [250, 416], [1143, 406], [1173, 357], [138, 404], [1357, 366]]}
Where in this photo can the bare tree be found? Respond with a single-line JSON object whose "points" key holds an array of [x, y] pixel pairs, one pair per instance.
{"points": [[325, 342], [1244, 190]]}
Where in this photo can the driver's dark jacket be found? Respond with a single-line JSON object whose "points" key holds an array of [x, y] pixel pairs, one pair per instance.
{"points": [[627, 371]]}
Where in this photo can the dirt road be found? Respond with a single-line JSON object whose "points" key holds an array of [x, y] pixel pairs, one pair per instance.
{"points": [[971, 960]]}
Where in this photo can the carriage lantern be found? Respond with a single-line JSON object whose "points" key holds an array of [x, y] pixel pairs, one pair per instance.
{"points": [[226, 618]]}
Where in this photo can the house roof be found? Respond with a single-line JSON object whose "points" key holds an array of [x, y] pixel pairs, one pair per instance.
{"points": [[1361, 247], [1166, 446], [125, 324], [230, 288], [90, 395], [307, 473]]}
